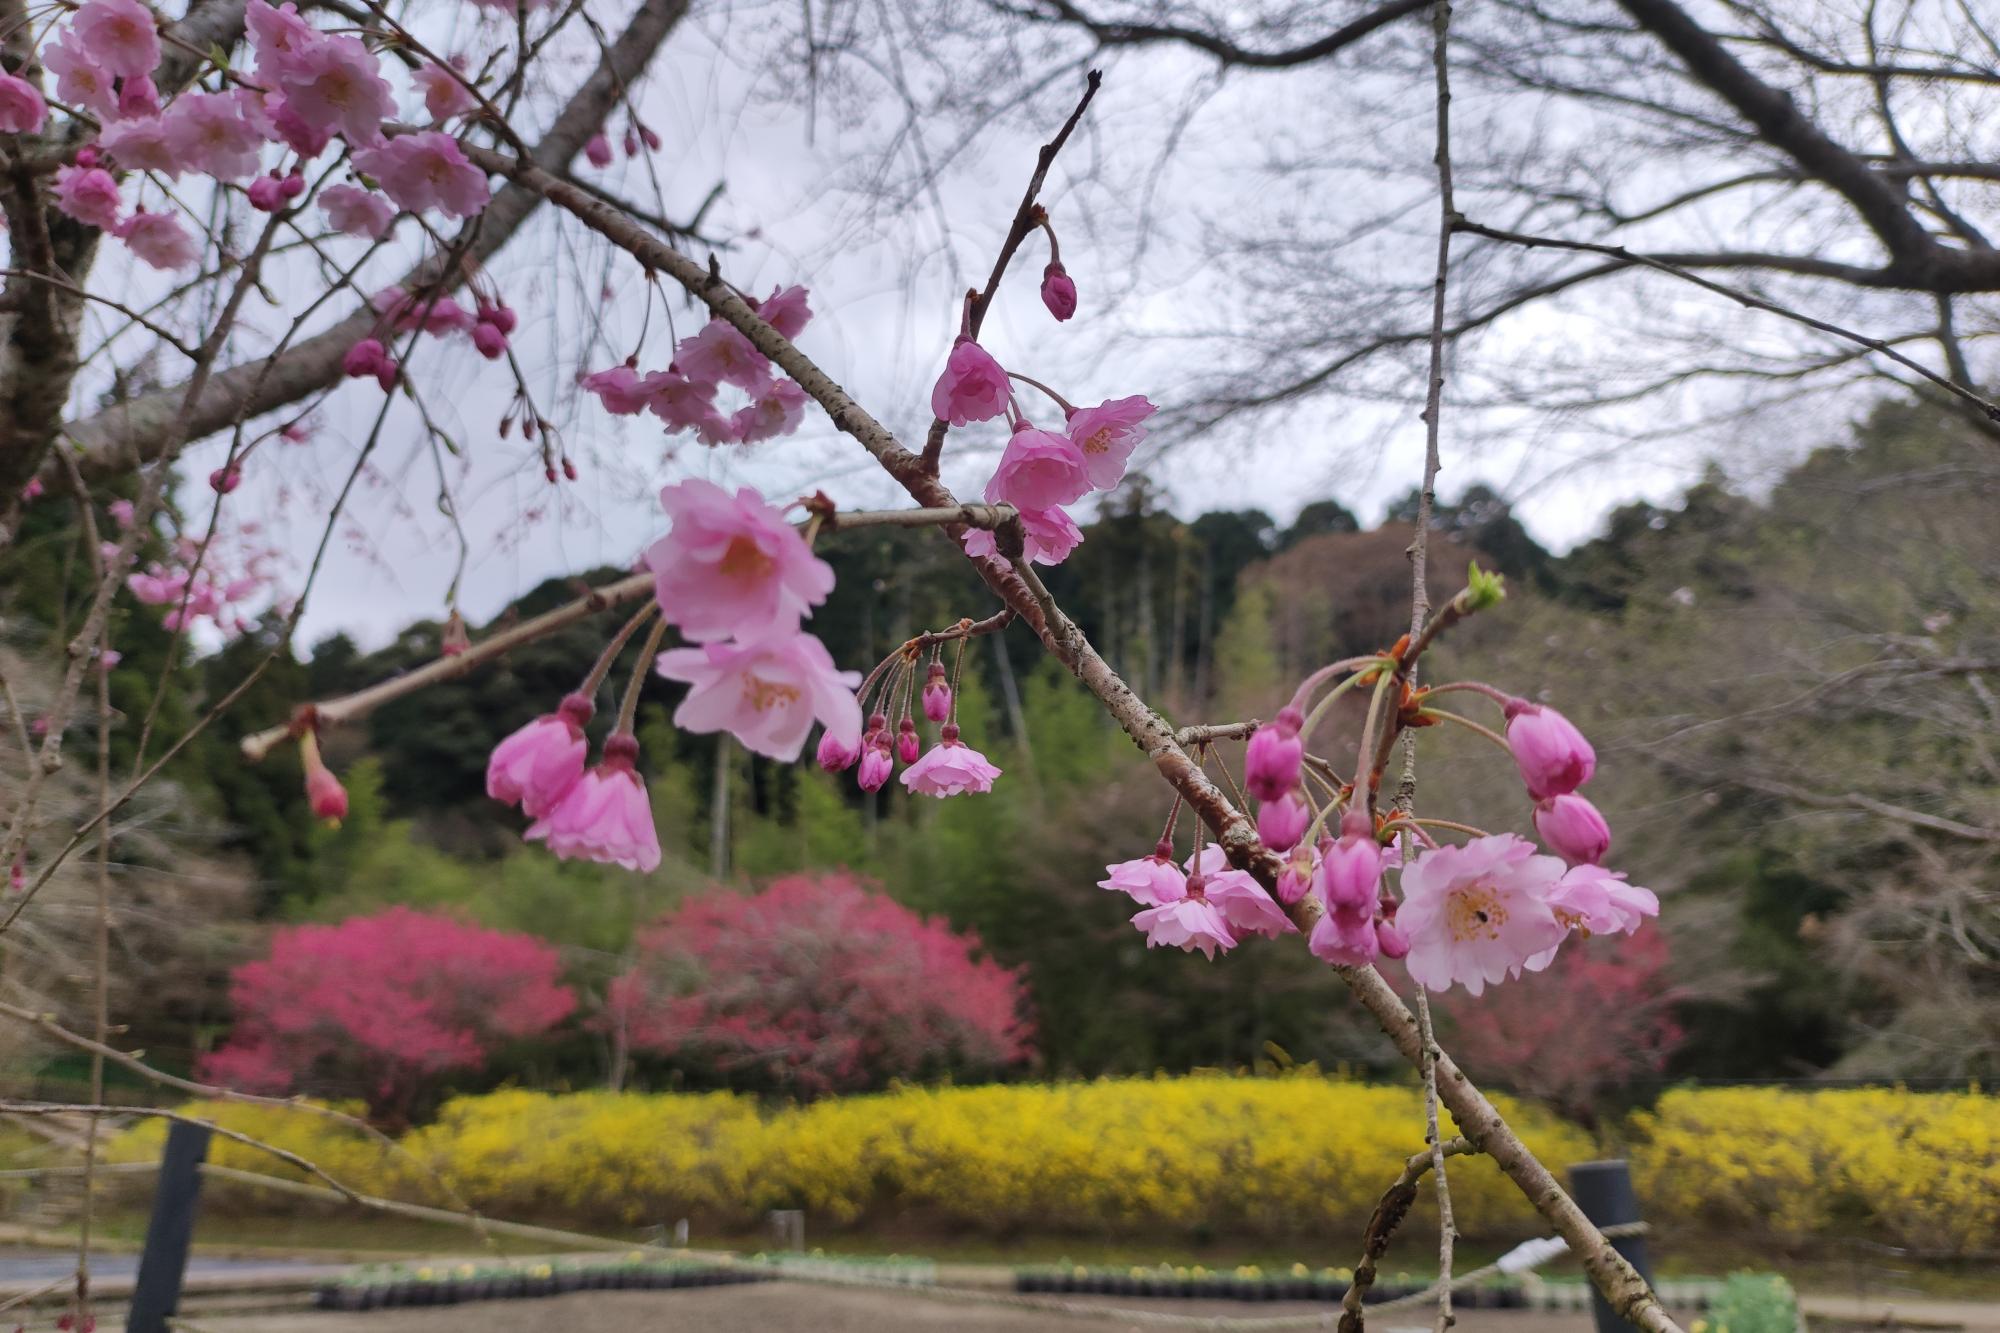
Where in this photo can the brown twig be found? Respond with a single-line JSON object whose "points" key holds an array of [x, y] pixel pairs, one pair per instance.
{"points": [[1390, 1210]]}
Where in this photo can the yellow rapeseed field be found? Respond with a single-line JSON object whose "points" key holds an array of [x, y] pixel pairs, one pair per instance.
{"points": [[1282, 1157]]}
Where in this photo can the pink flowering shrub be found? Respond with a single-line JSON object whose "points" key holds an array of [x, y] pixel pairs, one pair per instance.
{"points": [[818, 984], [384, 1007]]}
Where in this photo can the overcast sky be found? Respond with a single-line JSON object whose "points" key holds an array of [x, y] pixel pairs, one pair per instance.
{"points": [[884, 284]]}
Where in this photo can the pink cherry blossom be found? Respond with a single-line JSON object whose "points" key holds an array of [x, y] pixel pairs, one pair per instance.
{"points": [[536, 766], [138, 97], [120, 35], [950, 768], [721, 354], [491, 343], [682, 403], [1475, 913], [445, 93], [427, 170], [354, 211], [619, 389], [88, 194], [80, 80], [1281, 823], [142, 144], [1048, 537], [598, 150], [1391, 939], [876, 769], [1187, 923], [267, 194], [1553, 756], [776, 411], [605, 815], [1350, 869], [731, 565], [1573, 829], [436, 313], [158, 239], [1344, 940], [1107, 434], [1058, 290], [1272, 760], [333, 84], [786, 311], [1296, 878], [324, 794], [765, 692], [209, 134], [1599, 901], [937, 694], [1038, 470], [22, 109], [908, 747], [1246, 907], [1150, 881], [834, 755], [973, 387], [276, 35], [295, 131]]}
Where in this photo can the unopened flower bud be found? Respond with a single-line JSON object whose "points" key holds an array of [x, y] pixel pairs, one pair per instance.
{"points": [[937, 695]]}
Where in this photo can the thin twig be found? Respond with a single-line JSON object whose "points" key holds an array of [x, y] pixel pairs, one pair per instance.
{"points": [[1389, 1212]]}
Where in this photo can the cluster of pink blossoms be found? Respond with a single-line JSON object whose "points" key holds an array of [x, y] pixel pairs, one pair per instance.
{"points": [[307, 89], [1473, 915], [488, 323], [683, 396], [221, 586], [949, 768]]}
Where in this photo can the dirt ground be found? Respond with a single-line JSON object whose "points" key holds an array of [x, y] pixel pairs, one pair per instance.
{"points": [[786, 1305]]}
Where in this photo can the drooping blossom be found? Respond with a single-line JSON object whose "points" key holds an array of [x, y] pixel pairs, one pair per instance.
{"points": [[1350, 868], [142, 144], [950, 768], [1591, 900], [295, 131], [618, 389], [1344, 940], [1058, 290], [208, 134], [1391, 939], [489, 341], [721, 354], [908, 747], [1475, 913], [775, 411], [1038, 470], [1553, 756], [158, 239], [682, 403], [834, 755], [598, 150], [22, 109], [765, 692], [88, 194], [120, 35], [1048, 536], [427, 170], [1573, 829], [445, 93], [605, 815], [334, 85], [1296, 879], [537, 765], [324, 794], [1272, 760], [1281, 823], [276, 35], [1186, 923], [138, 97], [876, 768], [731, 565], [1237, 895], [80, 80], [354, 211], [1107, 434], [937, 694], [224, 480], [266, 194], [436, 313], [1150, 881], [785, 310], [973, 387], [369, 358]]}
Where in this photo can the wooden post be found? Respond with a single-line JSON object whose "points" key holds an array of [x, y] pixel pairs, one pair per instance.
{"points": [[1604, 1191], [156, 1294]]}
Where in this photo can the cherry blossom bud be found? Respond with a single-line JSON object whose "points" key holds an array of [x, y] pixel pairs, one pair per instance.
{"points": [[1573, 829], [1271, 763], [875, 768], [1391, 939], [598, 150], [490, 341], [292, 186], [323, 790], [937, 695], [1058, 291], [86, 156], [454, 640], [1553, 756], [17, 875], [569, 470], [225, 479], [1281, 823], [833, 756], [363, 359], [631, 143], [908, 747], [1350, 870], [499, 315], [650, 139], [266, 195]]}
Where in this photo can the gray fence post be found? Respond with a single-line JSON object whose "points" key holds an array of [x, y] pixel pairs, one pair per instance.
{"points": [[1604, 1191], [156, 1294]]}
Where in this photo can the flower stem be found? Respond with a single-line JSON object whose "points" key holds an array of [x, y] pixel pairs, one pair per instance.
{"points": [[602, 667], [1365, 766], [1331, 669], [1061, 401], [1468, 724], [1319, 711], [630, 706], [1500, 697]]}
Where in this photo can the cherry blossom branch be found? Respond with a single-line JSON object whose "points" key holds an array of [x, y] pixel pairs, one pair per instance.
{"points": [[1020, 588], [1390, 1210], [1026, 218]]}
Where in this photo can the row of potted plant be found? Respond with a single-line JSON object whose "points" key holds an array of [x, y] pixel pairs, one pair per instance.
{"points": [[1246, 1283], [385, 1288]]}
